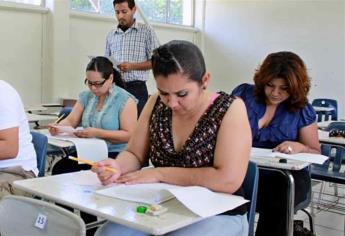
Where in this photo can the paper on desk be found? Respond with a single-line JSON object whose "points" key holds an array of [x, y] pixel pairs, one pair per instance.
{"points": [[199, 200], [305, 157], [144, 193], [67, 130], [91, 149]]}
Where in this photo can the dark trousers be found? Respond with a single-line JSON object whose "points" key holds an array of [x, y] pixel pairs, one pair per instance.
{"points": [[272, 197], [66, 165], [139, 90]]}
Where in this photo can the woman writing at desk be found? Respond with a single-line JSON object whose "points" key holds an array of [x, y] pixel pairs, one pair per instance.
{"points": [[281, 118], [105, 111], [190, 135]]}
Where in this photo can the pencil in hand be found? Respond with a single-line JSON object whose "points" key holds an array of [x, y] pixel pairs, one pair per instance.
{"points": [[91, 163], [59, 119]]}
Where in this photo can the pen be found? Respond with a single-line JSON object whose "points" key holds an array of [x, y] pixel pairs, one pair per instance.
{"points": [[91, 163], [59, 119]]}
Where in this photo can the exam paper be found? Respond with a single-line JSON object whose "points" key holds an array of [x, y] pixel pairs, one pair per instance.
{"points": [[199, 200], [67, 130], [305, 157], [92, 149], [143, 193]]}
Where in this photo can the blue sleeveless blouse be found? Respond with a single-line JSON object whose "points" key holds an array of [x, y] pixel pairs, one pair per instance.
{"points": [[108, 117]]}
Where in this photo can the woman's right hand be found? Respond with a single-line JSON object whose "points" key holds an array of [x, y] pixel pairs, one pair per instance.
{"points": [[53, 129], [104, 174]]}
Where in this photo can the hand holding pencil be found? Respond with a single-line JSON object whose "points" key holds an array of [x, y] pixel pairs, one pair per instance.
{"points": [[108, 171], [51, 127]]}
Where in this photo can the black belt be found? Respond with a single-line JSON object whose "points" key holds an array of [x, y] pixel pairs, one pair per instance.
{"points": [[135, 82]]}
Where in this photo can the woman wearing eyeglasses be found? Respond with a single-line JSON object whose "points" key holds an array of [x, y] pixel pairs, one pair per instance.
{"points": [[105, 111]]}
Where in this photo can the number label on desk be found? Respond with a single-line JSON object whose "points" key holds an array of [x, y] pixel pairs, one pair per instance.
{"points": [[41, 221]]}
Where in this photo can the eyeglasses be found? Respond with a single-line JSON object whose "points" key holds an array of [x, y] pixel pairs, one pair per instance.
{"points": [[96, 84]]}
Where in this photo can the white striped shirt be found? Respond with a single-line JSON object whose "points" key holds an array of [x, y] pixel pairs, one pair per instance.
{"points": [[135, 45]]}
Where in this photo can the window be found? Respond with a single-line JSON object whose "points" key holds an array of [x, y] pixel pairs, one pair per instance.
{"points": [[168, 11], [34, 2], [164, 11], [104, 7]]}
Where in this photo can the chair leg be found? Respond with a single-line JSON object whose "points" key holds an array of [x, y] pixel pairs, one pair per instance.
{"points": [[311, 221], [336, 190], [312, 204], [319, 199]]}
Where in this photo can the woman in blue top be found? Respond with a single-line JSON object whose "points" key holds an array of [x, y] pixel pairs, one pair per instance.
{"points": [[105, 111], [281, 118]]}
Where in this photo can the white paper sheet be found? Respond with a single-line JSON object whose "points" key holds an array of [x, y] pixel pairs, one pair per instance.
{"points": [[204, 202], [199, 200], [67, 130], [91, 149], [143, 193], [305, 157]]}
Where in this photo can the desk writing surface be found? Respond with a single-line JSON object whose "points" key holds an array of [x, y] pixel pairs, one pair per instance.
{"points": [[68, 190], [36, 117], [273, 162], [324, 138], [55, 142]]}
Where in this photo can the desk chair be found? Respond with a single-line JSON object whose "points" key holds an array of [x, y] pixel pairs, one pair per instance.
{"points": [[325, 102], [327, 172], [40, 142], [19, 215], [330, 170], [339, 125], [65, 112], [250, 186], [304, 204]]}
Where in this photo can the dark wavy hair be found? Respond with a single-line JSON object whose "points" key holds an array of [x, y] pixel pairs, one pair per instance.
{"points": [[179, 56], [291, 68], [130, 3], [105, 67]]}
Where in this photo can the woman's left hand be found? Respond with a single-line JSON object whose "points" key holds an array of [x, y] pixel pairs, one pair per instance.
{"points": [[289, 147], [86, 133], [147, 175]]}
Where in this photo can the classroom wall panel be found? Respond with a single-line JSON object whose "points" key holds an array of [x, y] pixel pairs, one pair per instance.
{"points": [[239, 34], [21, 49]]}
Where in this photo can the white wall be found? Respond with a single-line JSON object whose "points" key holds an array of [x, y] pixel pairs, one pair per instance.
{"points": [[239, 34], [21, 51]]}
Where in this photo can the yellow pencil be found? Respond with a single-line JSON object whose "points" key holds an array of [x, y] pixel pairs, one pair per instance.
{"points": [[59, 119], [91, 163]]}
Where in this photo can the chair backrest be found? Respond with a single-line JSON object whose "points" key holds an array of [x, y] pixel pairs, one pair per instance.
{"points": [[339, 125], [65, 112], [326, 102], [26, 216], [250, 186], [40, 142], [336, 154]]}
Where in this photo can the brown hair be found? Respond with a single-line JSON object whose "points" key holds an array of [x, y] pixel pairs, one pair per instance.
{"points": [[287, 66]]}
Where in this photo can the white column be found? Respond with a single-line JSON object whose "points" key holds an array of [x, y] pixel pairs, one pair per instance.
{"points": [[56, 56]]}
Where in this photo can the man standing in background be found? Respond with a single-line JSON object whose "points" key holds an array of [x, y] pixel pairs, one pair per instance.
{"points": [[131, 45]]}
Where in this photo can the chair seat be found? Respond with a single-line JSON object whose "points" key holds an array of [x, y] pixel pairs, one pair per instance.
{"points": [[320, 173]]}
